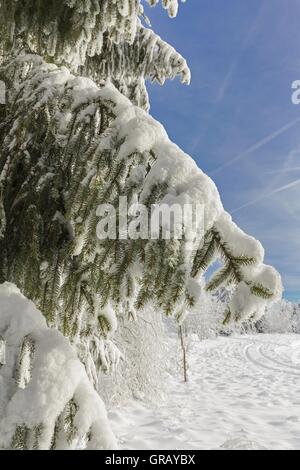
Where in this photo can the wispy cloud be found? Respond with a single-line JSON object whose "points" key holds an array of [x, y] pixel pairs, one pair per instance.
{"points": [[257, 145], [267, 195], [284, 170], [223, 86], [226, 82], [221, 92]]}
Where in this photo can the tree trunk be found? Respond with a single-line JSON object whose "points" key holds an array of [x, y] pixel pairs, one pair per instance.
{"points": [[184, 353]]}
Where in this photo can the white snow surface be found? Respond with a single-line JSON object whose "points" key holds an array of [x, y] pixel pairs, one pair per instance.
{"points": [[243, 394]]}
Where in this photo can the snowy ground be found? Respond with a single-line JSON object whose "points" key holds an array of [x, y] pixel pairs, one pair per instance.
{"points": [[243, 393]]}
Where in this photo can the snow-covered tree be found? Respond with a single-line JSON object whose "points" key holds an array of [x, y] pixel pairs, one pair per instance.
{"points": [[281, 317], [69, 143], [101, 38], [206, 318], [82, 146], [46, 398]]}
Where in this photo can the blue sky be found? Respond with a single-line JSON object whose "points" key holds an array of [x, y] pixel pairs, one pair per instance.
{"points": [[236, 119]]}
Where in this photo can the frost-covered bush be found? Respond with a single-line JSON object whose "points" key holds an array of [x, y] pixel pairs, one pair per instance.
{"points": [[46, 398], [296, 318], [281, 317], [206, 318], [146, 351]]}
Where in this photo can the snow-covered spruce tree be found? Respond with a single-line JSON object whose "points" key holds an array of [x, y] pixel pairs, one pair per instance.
{"points": [[100, 38], [69, 144]]}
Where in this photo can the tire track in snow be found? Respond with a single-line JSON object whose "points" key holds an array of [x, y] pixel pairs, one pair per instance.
{"points": [[263, 365], [282, 364]]}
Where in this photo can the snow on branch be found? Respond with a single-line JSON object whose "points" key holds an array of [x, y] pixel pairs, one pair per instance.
{"points": [[170, 5], [46, 399], [72, 30], [129, 65], [104, 38]]}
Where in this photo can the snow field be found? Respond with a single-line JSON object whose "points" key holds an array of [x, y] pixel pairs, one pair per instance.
{"points": [[243, 393]]}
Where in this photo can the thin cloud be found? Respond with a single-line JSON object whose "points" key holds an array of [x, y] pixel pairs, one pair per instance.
{"points": [[284, 170], [265, 196], [258, 145], [228, 78], [225, 84]]}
